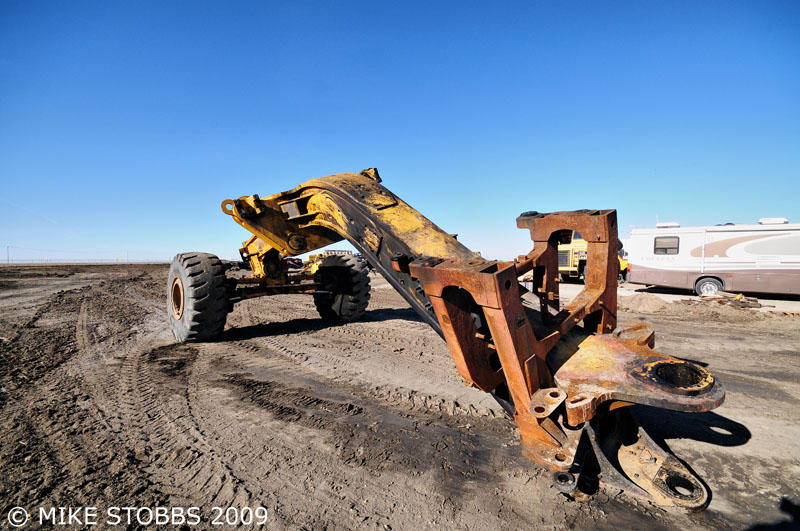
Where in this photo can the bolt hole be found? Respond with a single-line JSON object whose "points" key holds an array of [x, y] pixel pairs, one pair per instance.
{"points": [[680, 485], [508, 284], [564, 478], [679, 374], [539, 409], [555, 394], [576, 399], [561, 458]]}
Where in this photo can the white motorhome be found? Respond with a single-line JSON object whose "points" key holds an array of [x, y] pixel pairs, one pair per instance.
{"points": [[762, 258]]}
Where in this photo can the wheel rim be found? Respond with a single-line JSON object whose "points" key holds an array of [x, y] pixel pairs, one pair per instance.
{"points": [[708, 288], [176, 298]]}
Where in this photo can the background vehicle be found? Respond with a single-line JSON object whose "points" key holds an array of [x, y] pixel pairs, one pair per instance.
{"points": [[292, 262], [572, 258], [763, 257], [316, 259]]}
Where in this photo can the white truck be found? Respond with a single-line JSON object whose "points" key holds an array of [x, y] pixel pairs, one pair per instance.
{"points": [[763, 257]]}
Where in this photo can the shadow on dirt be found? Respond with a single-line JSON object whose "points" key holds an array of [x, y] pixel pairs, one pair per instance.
{"points": [[662, 424], [388, 314], [292, 326], [303, 324], [788, 507]]}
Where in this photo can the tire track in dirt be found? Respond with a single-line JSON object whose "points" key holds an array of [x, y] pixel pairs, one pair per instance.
{"points": [[323, 361], [66, 442], [277, 456], [179, 459], [345, 429], [99, 401], [274, 447], [250, 449], [154, 418], [191, 444], [391, 352], [38, 348], [157, 428], [248, 455]]}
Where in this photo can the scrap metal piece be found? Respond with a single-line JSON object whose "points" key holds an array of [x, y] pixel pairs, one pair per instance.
{"points": [[605, 368], [545, 401], [632, 462]]}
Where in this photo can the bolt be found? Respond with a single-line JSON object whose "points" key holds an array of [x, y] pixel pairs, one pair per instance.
{"points": [[297, 242]]}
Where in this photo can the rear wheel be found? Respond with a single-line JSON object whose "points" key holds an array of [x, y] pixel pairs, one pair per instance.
{"points": [[197, 296], [345, 278], [707, 286]]}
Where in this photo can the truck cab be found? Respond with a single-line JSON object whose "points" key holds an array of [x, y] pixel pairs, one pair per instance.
{"points": [[572, 258]]}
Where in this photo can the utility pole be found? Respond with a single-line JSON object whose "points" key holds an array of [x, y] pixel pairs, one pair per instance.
{"points": [[8, 256]]}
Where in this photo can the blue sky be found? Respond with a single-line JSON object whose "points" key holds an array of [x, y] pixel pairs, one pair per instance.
{"points": [[123, 125]]}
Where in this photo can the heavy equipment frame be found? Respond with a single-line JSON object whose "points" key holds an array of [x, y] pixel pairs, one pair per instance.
{"points": [[566, 375]]}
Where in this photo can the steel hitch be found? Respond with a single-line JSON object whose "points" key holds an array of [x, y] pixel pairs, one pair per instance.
{"points": [[609, 372]]}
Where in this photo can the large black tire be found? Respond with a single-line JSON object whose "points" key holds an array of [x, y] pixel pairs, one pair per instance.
{"points": [[346, 279], [197, 297], [708, 286]]}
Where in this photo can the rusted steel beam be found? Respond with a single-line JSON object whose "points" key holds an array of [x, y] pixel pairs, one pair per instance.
{"points": [[596, 371]]}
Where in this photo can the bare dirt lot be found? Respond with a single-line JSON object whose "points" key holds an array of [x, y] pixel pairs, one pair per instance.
{"points": [[365, 425]]}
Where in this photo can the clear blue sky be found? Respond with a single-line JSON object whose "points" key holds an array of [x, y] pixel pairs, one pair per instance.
{"points": [[124, 124]]}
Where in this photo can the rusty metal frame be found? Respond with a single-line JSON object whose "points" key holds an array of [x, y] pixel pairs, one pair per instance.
{"points": [[563, 372], [523, 356], [556, 391]]}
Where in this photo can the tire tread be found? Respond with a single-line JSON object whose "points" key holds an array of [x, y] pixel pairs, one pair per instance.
{"points": [[206, 303], [351, 305]]}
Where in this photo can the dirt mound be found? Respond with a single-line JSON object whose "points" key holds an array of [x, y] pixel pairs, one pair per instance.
{"points": [[642, 303], [706, 311]]}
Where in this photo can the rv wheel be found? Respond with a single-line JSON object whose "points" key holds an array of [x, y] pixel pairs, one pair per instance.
{"points": [[707, 286]]}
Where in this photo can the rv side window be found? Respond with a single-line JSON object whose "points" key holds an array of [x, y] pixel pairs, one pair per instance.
{"points": [[666, 245]]}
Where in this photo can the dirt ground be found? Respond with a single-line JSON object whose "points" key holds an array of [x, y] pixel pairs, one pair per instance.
{"points": [[365, 425]]}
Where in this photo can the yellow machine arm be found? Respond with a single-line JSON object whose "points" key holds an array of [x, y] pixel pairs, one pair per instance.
{"points": [[351, 206]]}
